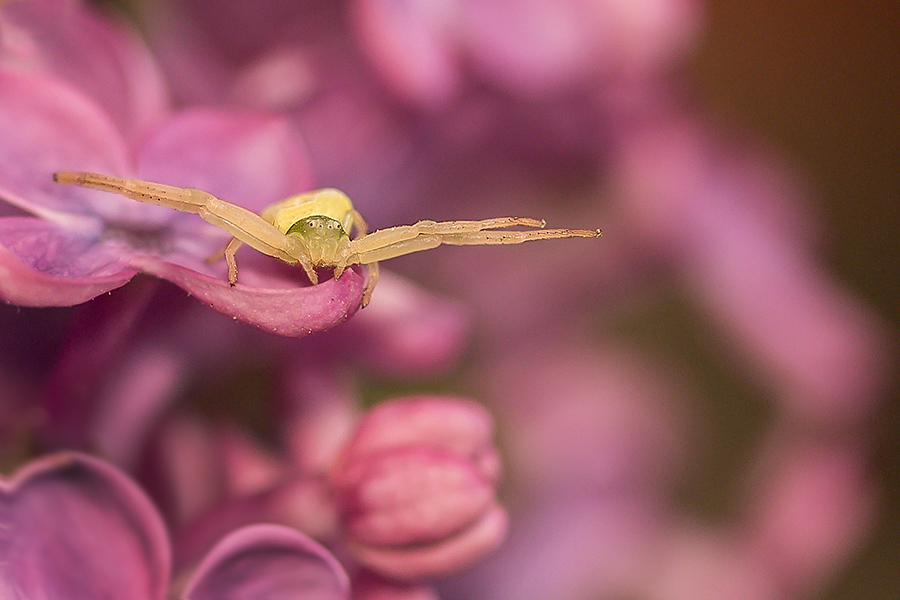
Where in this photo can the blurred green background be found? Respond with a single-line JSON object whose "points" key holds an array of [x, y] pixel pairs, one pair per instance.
{"points": [[820, 80]]}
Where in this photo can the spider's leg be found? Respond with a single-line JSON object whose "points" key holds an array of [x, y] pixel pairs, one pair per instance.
{"points": [[362, 229], [442, 227], [394, 235], [243, 224], [484, 238], [220, 253], [229, 251], [170, 196], [388, 248], [370, 284]]}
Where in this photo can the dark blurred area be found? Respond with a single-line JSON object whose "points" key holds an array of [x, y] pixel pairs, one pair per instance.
{"points": [[819, 79]]}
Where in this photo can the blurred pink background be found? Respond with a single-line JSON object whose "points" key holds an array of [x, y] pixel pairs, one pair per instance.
{"points": [[819, 79]]}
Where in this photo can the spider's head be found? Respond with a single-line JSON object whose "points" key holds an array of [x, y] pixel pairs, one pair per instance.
{"points": [[322, 236]]}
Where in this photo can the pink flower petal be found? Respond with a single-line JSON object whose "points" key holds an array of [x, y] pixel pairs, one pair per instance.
{"points": [[415, 563], [412, 496], [407, 332], [368, 586], [70, 40], [289, 311], [42, 264], [75, 527], [413, 46], [584, 418], [538, 45], [810, 511], [47, 126], [268, 562], [699, 563], [460, 426], [249, 159], [416, 488]]}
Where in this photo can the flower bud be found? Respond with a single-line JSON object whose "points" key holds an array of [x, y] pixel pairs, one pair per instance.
{"points": [[416, 488]]}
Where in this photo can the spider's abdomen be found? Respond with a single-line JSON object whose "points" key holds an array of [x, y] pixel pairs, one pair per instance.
{"points": [[329, 202]]}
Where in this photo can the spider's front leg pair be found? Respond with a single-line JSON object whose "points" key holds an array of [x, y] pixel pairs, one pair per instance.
{"points": [[312, 229], [406, 239]]}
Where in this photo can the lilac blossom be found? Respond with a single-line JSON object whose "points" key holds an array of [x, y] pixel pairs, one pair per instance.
{"points": [[407, 493], [77, 244], [76, 527]]}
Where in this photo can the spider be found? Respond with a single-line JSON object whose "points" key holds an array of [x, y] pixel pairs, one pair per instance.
{"points": [[312, 229]]}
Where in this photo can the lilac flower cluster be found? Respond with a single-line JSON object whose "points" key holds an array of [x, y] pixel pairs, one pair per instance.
{"points": [[155, 448]]}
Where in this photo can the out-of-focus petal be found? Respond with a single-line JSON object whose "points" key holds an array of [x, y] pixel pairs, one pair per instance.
{"points": [[273, 305], [417, 563], [459, 426], [268, 562], [811, 508], [416, 488], [413, 45], [407, 331], [359, 140], [249, 159], [583, 418], [47, 126], [821, 349], [534, 48], [741, 242], [76, 528], [42, 264], [71, 40], [368, 586], [538, 45], [697, 564], [414, 496], [595, 543]]}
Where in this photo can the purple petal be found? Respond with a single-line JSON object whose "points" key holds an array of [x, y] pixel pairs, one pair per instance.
{"points": [[413, 46], [74, 527], [412, 496], [47, 126], [455, 425], [246, 158], [268, 562], [42, 264], [548, 46], [275, 304], [407, 331], [105, 60]]}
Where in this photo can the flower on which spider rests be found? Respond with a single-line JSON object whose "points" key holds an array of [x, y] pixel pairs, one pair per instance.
{"points": [[75, 527], [84, 242], [61, 246]]}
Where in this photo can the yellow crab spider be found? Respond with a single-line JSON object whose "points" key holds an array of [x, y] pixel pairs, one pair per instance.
{"points": [[312, 229]]}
